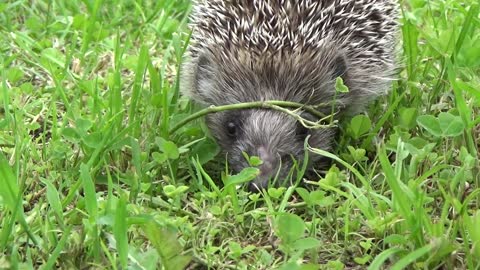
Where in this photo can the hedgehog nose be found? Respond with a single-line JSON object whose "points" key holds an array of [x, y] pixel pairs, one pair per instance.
{"points": [[268, 159]]}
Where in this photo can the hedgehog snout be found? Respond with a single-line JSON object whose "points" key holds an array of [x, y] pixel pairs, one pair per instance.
{"points": [[269, 161], [268, 168]]}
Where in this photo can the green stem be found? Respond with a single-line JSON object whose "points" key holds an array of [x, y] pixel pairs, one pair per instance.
{"points": [[274, 104]]}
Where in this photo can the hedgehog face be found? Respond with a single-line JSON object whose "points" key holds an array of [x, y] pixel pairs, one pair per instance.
{"points": [[276, 138]]}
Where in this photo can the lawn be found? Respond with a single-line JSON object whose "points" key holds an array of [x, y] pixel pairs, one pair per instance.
{"points": [[98, 171]]}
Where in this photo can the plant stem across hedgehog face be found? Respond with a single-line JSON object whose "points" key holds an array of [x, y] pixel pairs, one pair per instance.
{"points": [[245, 51], [275, 137]]}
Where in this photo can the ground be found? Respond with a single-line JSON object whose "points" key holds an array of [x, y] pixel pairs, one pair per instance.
{"points": [[92, 177]]}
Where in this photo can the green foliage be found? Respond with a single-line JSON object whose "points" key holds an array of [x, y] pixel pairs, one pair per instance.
{"points": [[359, 125], [446, 125], [167, 246], [340, 85], [101, 168]]}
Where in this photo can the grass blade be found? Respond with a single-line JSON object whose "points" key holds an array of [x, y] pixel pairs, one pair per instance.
{"points": [[368, 210], [91, 207], [58, 248], [54, 200], [382, 257], [412, 257], [120, 231], [13, 201], [8, 181], [400, 200], [143, 61]]}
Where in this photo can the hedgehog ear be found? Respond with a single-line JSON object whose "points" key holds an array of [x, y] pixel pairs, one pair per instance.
{"points": [[204, 76], [339, 67]]}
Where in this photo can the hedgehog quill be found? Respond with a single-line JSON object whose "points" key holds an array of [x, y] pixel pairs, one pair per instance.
{"points": [[260, 50]]}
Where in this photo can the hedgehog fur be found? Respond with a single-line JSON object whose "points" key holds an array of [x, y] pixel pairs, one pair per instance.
{"points": [[257, 50]]}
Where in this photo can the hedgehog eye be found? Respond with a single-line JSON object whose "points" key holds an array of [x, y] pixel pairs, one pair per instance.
{"points": [[301, 131], [231, 129]]}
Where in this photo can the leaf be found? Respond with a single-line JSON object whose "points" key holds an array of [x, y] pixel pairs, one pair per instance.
{"points": [[165, 241], [360, 125], [254, 197], [325, 202], [336, 265], [412, 257], [159, 157], [52, 60], [340, 87], [357, 154], [26, 88], [172, 191], [317, 195], [14, 74], [93, 140], [468, 87], [292, 265], [306, 243], [366, 245], [276, 192], [79, 21], [54, 199], [255, 161], [245, 175], [205, 150], [332, 178], [171, 150], [304, 194], [407, 117], [216, 210], [235, 247], [451, 125], [290, 227], [249, 248], [362, 260], [146, 259], [382, 257], [70, 134], [395, 239], [83, 125], [430, 123], [168, 147]]}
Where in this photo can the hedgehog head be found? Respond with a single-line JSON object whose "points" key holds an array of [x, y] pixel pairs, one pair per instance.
{"points": [[244, 51], [276, 137]]}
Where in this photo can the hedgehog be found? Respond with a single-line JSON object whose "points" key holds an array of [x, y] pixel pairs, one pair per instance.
{"points": [[285, 50]]}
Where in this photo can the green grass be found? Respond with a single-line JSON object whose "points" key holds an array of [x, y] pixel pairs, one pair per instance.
{"points": [[91, 177]]}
